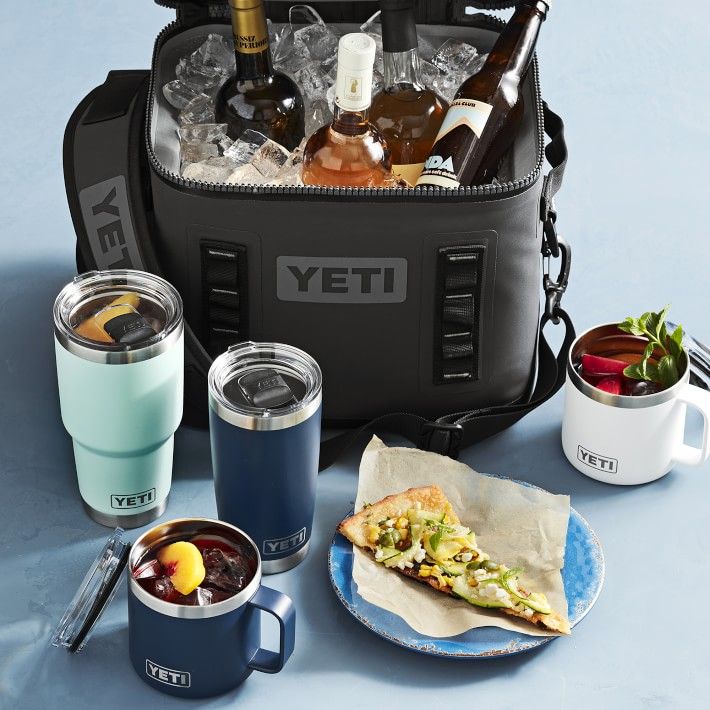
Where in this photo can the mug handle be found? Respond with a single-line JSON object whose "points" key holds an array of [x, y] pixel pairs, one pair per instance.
{"points": [[700, 399], [280, 606]]}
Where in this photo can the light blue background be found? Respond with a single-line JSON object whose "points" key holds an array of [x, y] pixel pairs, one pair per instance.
{"points": [[630, 79]]}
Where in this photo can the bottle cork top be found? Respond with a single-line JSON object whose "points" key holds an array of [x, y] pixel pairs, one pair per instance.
{"points": [[356, 51]]}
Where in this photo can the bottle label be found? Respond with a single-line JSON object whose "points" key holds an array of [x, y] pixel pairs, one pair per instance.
{"points": [[251, 35], [459, 133], [353, 89], [409, 173]]}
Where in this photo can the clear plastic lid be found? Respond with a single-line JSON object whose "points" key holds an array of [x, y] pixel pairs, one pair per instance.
{"points": [[94, 594], [110, 313], [264, 386]]}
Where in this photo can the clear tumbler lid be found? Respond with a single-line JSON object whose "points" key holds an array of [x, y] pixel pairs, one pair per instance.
{"points": [[94, 594], [264, 386], [117, 316]]}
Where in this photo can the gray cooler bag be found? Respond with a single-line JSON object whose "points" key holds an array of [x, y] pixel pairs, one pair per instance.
{"points": [[424, 303]]}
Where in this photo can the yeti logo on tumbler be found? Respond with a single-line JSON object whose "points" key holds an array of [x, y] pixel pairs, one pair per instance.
{"points": [[180, 679]]}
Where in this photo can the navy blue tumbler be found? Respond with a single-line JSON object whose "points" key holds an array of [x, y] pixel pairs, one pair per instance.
{"points": [[265, 420]]}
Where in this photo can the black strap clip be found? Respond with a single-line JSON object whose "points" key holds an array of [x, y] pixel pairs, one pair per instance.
{"points": [[444, 439], [554, 290]]}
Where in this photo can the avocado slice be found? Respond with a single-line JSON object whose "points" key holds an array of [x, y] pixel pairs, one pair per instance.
{"points": [[473, 594]]}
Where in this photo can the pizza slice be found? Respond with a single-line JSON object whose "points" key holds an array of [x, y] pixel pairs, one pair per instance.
{"points": [[418, 534]]}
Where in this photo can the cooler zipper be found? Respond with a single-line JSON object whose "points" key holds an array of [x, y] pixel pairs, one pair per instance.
{"points": [[428, 194]]}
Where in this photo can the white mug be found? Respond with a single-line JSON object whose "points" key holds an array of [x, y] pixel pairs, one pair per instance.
{"points": [[628, 440]]}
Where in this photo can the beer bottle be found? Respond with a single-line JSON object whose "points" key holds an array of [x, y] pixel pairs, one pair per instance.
{"points": [[487, 111]]}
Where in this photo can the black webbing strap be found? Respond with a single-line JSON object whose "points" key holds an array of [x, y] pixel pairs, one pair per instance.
{"points": [[453, 431], [224, 286]]}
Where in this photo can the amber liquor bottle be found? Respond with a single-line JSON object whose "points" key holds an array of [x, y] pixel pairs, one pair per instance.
{"points": [[350, 152], [485, 116], [257, 97], [407, 113]]}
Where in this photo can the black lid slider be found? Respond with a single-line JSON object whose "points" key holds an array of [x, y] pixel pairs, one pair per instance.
{"points": [[266, 389], [129, 328]]}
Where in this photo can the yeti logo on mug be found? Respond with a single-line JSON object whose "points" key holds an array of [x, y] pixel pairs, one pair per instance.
{"points": [[284, 544], [133, 500], [169, 676], [601, 463]]}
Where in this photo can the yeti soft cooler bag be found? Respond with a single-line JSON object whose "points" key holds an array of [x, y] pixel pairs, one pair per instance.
{"points": [[422, 302]]}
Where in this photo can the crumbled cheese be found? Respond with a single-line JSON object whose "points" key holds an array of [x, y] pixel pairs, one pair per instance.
{"points": [[480, 574], [528, 612], [420, 554], [466, 557], [379, 554]]}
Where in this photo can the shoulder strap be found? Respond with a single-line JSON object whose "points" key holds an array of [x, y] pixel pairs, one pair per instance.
{"points": [[449, 433]]}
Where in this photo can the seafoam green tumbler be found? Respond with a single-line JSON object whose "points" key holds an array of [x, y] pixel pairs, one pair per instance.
{"points": [[118, 338]]}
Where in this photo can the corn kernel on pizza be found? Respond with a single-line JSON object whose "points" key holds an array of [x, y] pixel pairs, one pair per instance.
{"points": [[418, 534]]}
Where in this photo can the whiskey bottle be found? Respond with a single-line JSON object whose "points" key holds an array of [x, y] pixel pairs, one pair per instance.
{"points": [[257, 97], [484, 118], [407, 113], [350, 151]]}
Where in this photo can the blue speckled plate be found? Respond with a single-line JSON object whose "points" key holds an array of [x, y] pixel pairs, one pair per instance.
{"points": [[583, 576]]}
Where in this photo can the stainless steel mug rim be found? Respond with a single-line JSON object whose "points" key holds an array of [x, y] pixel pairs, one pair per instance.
{"points": [[253, 418], [182, 611], [617, 400], [112, 354]]}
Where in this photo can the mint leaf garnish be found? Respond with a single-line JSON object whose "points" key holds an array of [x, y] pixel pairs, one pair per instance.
{"points": [[668, 349]]}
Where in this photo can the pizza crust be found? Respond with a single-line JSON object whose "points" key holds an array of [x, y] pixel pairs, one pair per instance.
{"points": [[431, 498]]}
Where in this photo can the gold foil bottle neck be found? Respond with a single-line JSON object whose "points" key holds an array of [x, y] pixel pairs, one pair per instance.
{"points": [[251, 35]]}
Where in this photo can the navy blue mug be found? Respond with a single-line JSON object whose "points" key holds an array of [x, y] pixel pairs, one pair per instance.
{"points": [[202, 651], [265, 424]]}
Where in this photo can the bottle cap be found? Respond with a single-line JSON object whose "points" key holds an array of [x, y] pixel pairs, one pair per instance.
{"points": [[356, 60], [399, 29]]}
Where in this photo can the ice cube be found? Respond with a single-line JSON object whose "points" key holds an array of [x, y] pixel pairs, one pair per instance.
{"points": [[291, 171], [214, 169], [225, 570], [304, 15], [200, 78], [201, 141], [244, 148], [217, 53], [318, 114], [320, 42], [455, 55], [246, 175], [270, 158], [446, 84], [203, 597], [373, 25], [199, 110], [179, 94], [313, 81]]}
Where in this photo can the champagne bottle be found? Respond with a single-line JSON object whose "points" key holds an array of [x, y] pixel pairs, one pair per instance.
{"points": [[257, 97], [487, 111]]}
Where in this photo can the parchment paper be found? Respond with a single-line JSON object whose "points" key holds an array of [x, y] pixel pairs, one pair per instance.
{"points": [[516, 525]]}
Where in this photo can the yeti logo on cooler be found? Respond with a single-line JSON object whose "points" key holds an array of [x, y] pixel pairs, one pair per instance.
{"points": [[600, 463], [104, 207], [341, 280], [133, 500], [169, 676], [284, 544]]}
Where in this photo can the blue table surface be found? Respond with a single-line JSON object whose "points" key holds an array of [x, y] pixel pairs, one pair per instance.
{"points": [[630, 79]]}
